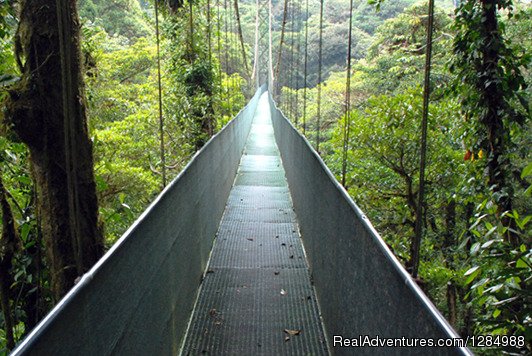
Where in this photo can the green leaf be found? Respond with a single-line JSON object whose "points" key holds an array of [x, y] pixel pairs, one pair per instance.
{"points": [[480, 283], [521, 263], [527, 171], [471, 270], [24, 232], [525, 221], [471, 274], [18, 274], [24, 180], [494, 289], [496, 313], [489, 243], [491, 231], [474, 248]]}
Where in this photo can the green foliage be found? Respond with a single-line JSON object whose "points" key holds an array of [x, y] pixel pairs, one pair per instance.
{"points": [[8, 67], [28, 273], [396, 57], [18, 333], [119, 57], [383, 161], [371, 13], [501, 274], [118, 17], [123, 110], [492, 88], [122, 98], [383, 158], [470, 46]]}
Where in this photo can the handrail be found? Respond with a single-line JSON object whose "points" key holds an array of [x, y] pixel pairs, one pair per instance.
{"points": [[138, 298], [362, 288]]}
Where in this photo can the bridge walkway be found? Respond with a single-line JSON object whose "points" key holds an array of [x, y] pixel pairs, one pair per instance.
{"points": [[257, 297]]}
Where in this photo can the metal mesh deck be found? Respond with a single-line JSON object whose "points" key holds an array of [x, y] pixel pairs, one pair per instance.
{"points": [[257, 283]]}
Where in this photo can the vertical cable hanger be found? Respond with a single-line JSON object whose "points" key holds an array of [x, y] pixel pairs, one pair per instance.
{"points": [[291, 68], [305, 72], [239, 58], [416, 243], [230, 55], [281, 43], [241, 38], [219, 49], [271, 79], [160, 97], [233, 58], [347, 105], [192, 55], [298, 59], [209, 33], [226, 55], [255, 73], [320, 55]]}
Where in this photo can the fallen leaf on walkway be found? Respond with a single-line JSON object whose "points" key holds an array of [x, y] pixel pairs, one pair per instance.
{"points": [[283, 292], [276, 273], [283, 244], [213, 312], [250, 239], [292, 332], [286, 338]]}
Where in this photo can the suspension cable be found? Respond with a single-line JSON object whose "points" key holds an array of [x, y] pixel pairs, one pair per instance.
{"points": [[416, 243], [234, 59], [347, 114], [226, 54], [161, 118], [271, 78], [279, 57], [255, 72], [291, 61], [231, 56], [209, 32], [298, 61], [305, 72], [320, 55], [241, 37], [219, 49]]}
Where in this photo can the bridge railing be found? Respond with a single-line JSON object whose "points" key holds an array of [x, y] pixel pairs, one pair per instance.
{"points": [[137, 300], [361, 287]]}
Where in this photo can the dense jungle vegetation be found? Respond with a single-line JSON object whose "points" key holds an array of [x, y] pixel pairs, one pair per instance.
{"points": [[476, 257]]}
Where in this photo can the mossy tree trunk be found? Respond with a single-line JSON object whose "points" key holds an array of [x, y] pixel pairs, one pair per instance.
{"points": [[47, 112]]}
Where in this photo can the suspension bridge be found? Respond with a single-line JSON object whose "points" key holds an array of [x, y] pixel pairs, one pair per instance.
{"points": [[254, 248]]}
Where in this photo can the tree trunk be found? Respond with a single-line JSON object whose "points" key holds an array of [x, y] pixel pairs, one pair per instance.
{"points": [[492, 96], [8, 246], [47, 111], [469, 315], [448, 242], [451, 303]]}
